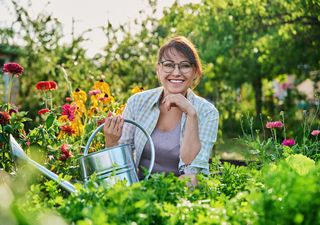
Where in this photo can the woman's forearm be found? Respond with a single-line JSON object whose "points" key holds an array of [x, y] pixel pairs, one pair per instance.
{"points": [[191, 145]]}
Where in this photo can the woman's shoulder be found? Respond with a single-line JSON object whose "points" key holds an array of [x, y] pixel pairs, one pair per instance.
{"points": [[204, 104]]}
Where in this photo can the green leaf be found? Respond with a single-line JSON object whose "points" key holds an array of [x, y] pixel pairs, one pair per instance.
{"points": [[300, 163], [49, 121]]}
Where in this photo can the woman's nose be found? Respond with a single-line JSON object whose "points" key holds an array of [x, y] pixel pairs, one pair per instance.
{"points": [[176, 70]]}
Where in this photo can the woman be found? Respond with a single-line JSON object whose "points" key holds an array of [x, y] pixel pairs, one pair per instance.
{"points": [[183, 126]]}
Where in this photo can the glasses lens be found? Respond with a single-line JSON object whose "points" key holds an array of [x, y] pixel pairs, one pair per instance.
{"points": [[168, 66], [185, 67]]}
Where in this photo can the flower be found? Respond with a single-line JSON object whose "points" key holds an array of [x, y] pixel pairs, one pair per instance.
{"points": [[65, 130], [120, 109], [274, 124], [288, 142], [68, 99], [65, 152], [11, 111], [46, 85], [102, 86], [315, 132], [79, 95], [13, 68], [94, 92], [136, 89], [4, 118], [68, 110], [43, 111], [101, 121]]}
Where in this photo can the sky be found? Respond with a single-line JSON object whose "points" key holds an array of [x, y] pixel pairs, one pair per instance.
{"points": [[86, 14]]}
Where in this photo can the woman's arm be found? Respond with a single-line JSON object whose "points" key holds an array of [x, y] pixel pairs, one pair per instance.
{"points": [[190, 145]]}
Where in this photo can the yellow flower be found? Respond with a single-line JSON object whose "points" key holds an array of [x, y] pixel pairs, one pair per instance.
{"points": [[93, 111], [120, 109], [107, 100], [77, 126], [79, 96], [63, 119], [102, 86], [80, 108], [136, 89]]}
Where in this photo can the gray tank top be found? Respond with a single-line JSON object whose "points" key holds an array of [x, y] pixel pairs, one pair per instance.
{"points": [[167, 151]]}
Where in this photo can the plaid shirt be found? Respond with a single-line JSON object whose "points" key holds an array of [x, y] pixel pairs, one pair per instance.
{"points": [[144, 109]]}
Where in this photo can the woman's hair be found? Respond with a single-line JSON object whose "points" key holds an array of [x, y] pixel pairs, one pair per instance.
{"points": [[182, 45]]}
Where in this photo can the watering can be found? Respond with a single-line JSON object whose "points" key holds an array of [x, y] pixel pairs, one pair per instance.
{"points": [[109, 164]]}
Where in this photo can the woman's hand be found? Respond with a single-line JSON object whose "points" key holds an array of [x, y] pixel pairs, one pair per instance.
{"points": [[113, 129], [178, 100], [192, 180]]}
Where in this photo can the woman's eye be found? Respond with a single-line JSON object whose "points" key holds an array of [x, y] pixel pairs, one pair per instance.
{"points": [[169, 65], [185, 65]]}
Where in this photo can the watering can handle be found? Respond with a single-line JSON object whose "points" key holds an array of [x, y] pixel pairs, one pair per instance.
{"points": [[86, 150]]}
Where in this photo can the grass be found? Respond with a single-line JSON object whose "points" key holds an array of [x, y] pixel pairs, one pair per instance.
{"points": [[231, 148]]}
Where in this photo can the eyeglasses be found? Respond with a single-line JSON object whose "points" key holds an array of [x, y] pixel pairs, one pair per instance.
{"points": [[168, 66]]}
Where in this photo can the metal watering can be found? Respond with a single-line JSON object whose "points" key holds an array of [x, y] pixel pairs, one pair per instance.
{"points": [[109, 164]]}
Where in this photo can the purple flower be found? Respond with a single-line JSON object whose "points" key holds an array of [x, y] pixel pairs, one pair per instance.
{"points": [[288, 142]]}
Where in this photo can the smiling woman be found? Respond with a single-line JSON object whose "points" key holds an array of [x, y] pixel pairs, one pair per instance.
{"points": [[182, 125]]}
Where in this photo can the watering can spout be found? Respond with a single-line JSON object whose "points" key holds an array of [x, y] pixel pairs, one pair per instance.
{"points": [[18, 152]]}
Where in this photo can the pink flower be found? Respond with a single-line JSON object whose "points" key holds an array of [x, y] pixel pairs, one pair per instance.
{"points": [[43, 111], [13, 68], [288, 142], [315, 132], [68, 99], [94, 92], [274, 124], [68, 110]]}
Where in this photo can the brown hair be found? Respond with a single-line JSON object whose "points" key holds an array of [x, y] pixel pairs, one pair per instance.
{"points": [[182, 45]]}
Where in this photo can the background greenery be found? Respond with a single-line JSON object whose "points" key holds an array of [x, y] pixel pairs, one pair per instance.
{"points": [[244, 45]]}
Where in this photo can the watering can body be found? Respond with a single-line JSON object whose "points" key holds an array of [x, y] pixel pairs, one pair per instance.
{"points": [[109, 164]]}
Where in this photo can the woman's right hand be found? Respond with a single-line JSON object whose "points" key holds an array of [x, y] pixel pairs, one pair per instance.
{"points": [[113, 129]]}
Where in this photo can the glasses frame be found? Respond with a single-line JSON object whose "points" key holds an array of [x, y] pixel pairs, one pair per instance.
{"points": [[177, 64]]}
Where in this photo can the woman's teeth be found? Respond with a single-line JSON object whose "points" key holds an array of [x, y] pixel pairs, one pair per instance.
{"points": [[176, 81]]}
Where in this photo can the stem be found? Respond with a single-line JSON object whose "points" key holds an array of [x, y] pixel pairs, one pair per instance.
{"points": [[284, 126], [50, 96], [9, 92]]}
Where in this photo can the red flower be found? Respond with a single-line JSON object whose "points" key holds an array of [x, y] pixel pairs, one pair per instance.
{"points": [[4, 118], [69, 111], [275, 124], [68, 99], [46, 85], [288, 142], [101, 121], [11, 111], [43, 111], [12, 68], [67, 129], [65, 152]]}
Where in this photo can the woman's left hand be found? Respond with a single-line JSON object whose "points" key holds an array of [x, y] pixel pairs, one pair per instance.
{"points": [[192, 180], [178, 100]]}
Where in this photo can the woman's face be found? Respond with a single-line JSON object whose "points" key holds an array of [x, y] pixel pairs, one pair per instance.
{"points": [[175, 72]]}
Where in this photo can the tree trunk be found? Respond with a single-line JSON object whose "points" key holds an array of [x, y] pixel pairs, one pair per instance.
{"points": [[257, 87]]}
